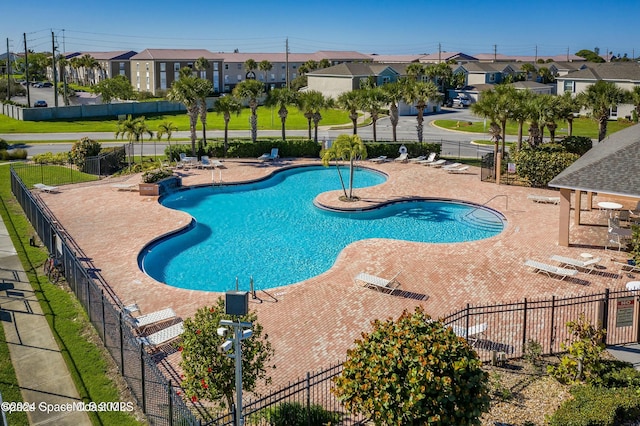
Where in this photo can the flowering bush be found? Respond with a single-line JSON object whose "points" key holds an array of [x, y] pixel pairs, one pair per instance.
{"points": [[156, 175]]}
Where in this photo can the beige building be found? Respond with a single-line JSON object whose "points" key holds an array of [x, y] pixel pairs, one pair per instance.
{"points": [[154, 70]]}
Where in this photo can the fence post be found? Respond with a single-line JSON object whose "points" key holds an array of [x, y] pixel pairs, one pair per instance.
{"points": [[524, 326], [553, 329], [605, 314], [466, 325], [308, 399], [120, 323], [89, 300], [104, 319], [170, 403], [142, 381]]}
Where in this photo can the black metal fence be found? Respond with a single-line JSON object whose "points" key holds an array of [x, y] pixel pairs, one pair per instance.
{"points": [[153, 392], [501, 330]]}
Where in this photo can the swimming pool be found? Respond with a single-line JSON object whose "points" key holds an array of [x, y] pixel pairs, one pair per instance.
{"points": [[271, 230]]}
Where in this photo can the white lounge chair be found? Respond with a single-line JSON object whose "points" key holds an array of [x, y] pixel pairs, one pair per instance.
{"points": [[273, 155], [550, 270], [451, 166], [217, 163], [378, 283], [437, 163], [417, 159], [162, 337], [471, 333], [45, 188], [140, 323], [458, 170], [380, 159], [430, 159], [403, 158], [588, 265], [543, 199], [625, 267]]}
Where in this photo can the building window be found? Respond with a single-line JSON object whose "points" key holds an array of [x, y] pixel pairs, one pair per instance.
{"points": [[386, 79], [137, 66], [147, 66], [614, 112], [226, 66], [176, 66], [239, 77], [273, 77], [492, 78], [163, 66], [239, 66], [569, 86], [283, 77]]}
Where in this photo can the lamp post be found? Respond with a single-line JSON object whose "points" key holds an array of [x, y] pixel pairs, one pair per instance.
{"points": [[241, 331]]}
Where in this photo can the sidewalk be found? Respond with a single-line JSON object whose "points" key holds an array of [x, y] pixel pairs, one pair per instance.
{"points": [[42, 374]]}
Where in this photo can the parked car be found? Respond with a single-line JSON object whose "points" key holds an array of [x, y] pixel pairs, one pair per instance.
{"points": [[36, 84], [461, 101], [47, 84], [40, 104]]}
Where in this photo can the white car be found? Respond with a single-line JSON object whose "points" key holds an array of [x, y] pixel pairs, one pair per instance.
{"points": [[461, 101]]}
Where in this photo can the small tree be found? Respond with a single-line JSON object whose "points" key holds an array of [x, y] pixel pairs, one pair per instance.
{"points": [[208, 373], [414, 371], [118, 87], [582, 362]]}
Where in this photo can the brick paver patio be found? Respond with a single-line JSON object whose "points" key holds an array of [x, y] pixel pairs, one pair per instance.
{"points": [[313, 323]]}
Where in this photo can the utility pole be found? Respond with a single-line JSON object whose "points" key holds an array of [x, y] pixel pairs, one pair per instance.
{"points": [[286, 56], [495, 52], [8, 72], [439, 52], [55, 70], [26, 68], [536, 57]]}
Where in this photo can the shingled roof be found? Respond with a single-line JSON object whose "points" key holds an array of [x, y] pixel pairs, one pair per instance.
{"points": [[610, 167]]}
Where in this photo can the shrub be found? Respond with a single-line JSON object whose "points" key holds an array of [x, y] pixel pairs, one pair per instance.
{"points": [[82, 149], [539, 167], [597, 406], [4, 145], [577, 144], [295, 414], [533, 353], [155, 175], [59, 158]]}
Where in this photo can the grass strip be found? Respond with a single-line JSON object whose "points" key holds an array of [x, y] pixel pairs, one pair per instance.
{"points": [[93, 371]]}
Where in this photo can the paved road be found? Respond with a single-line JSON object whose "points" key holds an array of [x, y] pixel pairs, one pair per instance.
{"points": [[454, 143]]}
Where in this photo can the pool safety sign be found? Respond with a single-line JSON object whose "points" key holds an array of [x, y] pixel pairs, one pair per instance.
{"points": [[624, 311]]}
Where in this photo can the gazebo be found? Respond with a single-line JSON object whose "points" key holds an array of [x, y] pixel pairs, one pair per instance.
{"points": [[611, 167]]}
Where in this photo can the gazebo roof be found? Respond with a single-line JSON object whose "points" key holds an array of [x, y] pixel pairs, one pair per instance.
{"points": [[611, 167]]}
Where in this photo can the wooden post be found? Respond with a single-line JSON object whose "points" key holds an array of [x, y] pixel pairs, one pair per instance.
{"points": [[576, 206], [565, 211]]}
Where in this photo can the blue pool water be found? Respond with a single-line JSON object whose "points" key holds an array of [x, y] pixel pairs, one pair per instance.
{"points": [[272, 231]]}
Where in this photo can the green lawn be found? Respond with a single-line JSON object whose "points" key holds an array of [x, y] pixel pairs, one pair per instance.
{"points": [[581, 127], [90, 365], [268, 119]]}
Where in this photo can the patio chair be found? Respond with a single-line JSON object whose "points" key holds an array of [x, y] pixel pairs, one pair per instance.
{"points": [[451, 166], [417, 159], [140, 323], [377, 283], [543, 199], [588, 265], [626, 267], [550, 270], [273, 155], [162, 337], [470, 333], [125, 186], [45, 188], [380, 159], [205, 163], [437, 163], [403, 158], [458, 170], [430, 159], [618, 237], [217, 163]]}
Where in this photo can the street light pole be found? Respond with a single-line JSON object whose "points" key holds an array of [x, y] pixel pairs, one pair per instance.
{"points": [[241, 331]]}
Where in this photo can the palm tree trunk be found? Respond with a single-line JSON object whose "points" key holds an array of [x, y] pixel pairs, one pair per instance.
{"points": [[344, 190], [375, 138], [226, 135], [394, 121], [351, 178]]}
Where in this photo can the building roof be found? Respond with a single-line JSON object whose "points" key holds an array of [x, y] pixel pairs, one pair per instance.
{"points": [[498, 57], [353, 69], [610, 167], [395, 59], [485, 67], [531, 85], [610, 71], [237, 57], [174, 54]]}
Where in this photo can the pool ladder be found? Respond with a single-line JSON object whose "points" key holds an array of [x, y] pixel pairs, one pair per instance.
{"points": [[506, 206]]}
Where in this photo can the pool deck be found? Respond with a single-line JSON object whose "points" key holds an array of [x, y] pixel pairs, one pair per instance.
{"points": [[313, 323]]}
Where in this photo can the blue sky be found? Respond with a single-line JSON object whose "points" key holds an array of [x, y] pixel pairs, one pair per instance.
{"points": [[389, 27]]}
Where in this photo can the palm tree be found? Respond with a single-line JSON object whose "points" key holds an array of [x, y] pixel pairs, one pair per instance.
{"points": [[600, 98], [127, 128], [420, 93], [634, 98], [281, 98], [265, 66], [351, 102], [226, 106], [249, 66], [250, 90], [393, 92], [167, 128], [202, 65], [372, 102], [346, 148], [529, 70], [140, 128], [569, 107], [185, 90], [415, 71], [520, 110], [496, 105], [89, 64]]}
